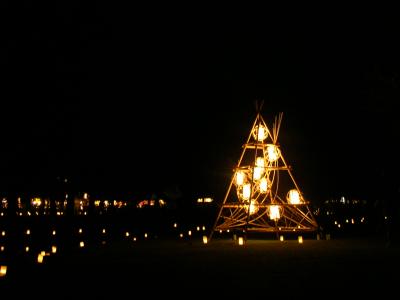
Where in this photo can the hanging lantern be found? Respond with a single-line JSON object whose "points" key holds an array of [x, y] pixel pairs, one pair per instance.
{"points": [[240, 176], [273, 153], [293, 197], [260, 133], [246, 191], [274, 212], [259, 168], [253, 207], [263, 185]]}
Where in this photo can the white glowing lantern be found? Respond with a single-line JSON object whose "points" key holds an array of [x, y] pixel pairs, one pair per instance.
{"points": [[300, 239], [205, 240], [273, 153], [246, 191], [281, 238], [53, 249], [240, 241], [274, 212], [263, 185], [240, 176], [293, 197], [3, 271], [81, 244], [253, 207], [260, 133]]}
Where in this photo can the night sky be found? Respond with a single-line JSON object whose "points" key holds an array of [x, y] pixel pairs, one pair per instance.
{"points": [[109, 102]]}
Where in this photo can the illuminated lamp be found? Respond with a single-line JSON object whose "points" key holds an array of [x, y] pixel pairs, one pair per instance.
{"points": [[300, 239], [240, 241], [53, 249], [246, 191], [260, 133], [273, 153], [281, 238], [240, 176], [293, 197], [253, 207], [205, 240], [274, 212], [263, 185]]}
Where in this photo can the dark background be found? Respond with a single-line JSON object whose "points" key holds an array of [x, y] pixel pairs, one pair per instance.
{"points": [[120, 102]]}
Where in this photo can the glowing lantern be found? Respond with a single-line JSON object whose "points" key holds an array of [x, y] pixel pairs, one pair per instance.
{"points": [[53, 249], [300, 239], [293, 197], [273, 153], [240, 241], [240, 177], [205, 240], [54, 232], [281, 238], [3, 233], [28, 232], [40, 258], [260, 133], [203, 228], [181, 235], [145, 235], [104, 231], [2, 248], [80, 230], [189, 232], [127, 234], [274, 213], [246, 191], [134, 239], [198, 228], [81, 244], [253, 207], [263, 185], [3, 271], [27, 249], [175, 225]]}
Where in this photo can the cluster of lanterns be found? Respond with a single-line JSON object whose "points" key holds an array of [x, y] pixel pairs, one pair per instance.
{"points": [[254, 182]]}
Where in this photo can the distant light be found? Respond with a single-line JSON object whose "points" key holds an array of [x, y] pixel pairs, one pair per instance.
{"points": [[208, 200], [81, 244], [198, 228], [3, 233], [204, 228], [80, 230], [300, 239], [40, 258], [281, 238], [220, 231], [347, 220], [85, 196], [3, 271], [205, 239], [2, 214], [28, 232], [352, 221], [189, 232], [26, 249], [335, 222], [338, 225], [134, 239], [53, 249], [181, 235], [386, 217], [241, 241], [145, 235], [362, 219], [2, 248], [175, 225], [104, 231], [103, 242], [127, 234], [84, 213], [54, 232], [227, 230]]}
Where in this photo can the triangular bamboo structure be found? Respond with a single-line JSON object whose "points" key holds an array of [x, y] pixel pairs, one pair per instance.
{"points": [[263, 181]]}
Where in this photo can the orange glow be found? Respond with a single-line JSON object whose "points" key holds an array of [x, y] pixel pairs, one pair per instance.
{"points": [[3, 271], [293, 197], [260, 133], [246, 191], [263, 185], [240, 176], [241, 241], [273, 153], [205, 240], [300, 239]]}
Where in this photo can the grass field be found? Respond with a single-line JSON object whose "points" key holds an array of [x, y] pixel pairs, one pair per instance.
{"points": [[182, 268]]}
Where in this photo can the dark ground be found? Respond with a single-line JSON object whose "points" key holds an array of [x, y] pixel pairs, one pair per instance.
{"points": [[188, 268]]}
